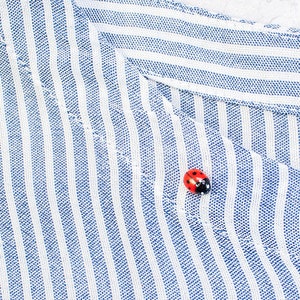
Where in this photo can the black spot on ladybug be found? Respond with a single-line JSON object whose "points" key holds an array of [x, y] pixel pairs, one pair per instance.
{"points": [[203, 186], [194, 173], [187, 181]]}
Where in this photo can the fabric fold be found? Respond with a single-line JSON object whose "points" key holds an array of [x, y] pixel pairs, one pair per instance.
{"points": [[93, 152]]}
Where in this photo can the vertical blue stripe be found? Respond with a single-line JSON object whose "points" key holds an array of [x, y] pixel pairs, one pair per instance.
{"points": [[258, 131], [281, 128], [211, 118], [187, 104], [164, 90]]}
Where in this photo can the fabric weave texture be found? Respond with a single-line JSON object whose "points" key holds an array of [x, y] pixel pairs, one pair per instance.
{"points": [[104, 105]]}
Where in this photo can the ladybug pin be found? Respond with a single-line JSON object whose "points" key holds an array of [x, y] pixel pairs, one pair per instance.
{"points": [[196, 181]]}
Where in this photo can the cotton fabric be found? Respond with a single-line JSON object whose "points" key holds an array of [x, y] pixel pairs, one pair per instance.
{"points": [[104, 105]]}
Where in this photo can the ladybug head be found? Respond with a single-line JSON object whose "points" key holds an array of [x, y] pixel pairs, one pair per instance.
{"points": [[203, 186]]}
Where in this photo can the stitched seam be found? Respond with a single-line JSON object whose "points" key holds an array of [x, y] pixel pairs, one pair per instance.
{"points": [[221, 231], [185, 116], [193, 218], [282, 109], [25, 66], [276, 108]]}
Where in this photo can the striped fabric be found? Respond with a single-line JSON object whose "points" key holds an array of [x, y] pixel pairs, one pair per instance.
{"points": [[104, 105]]}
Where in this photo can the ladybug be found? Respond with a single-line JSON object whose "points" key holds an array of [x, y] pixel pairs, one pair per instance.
{"points": [[196, 181]]}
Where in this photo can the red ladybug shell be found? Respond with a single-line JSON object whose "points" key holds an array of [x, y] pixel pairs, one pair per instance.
{"points": [[196, 181]]}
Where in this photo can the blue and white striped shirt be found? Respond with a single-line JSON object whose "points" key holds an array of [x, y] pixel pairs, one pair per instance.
{"points": [[104, 105]]}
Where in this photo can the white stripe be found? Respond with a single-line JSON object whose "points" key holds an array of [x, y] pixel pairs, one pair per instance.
{"points": [[113, 163], [222, 116], [219, 92], [279, 224], [144, 90], [229, 217], [10, 201], [209, 67], [204, 205], [158, 195], [254, 224], [136, 177], [176, 14], [111, 269], [294, 141], [26, 147], [198, 42], [69, 150], [180, 205], [199, 109], [4, 285], [246, 127], [270, 134], [168, 107], [175, 95]]}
